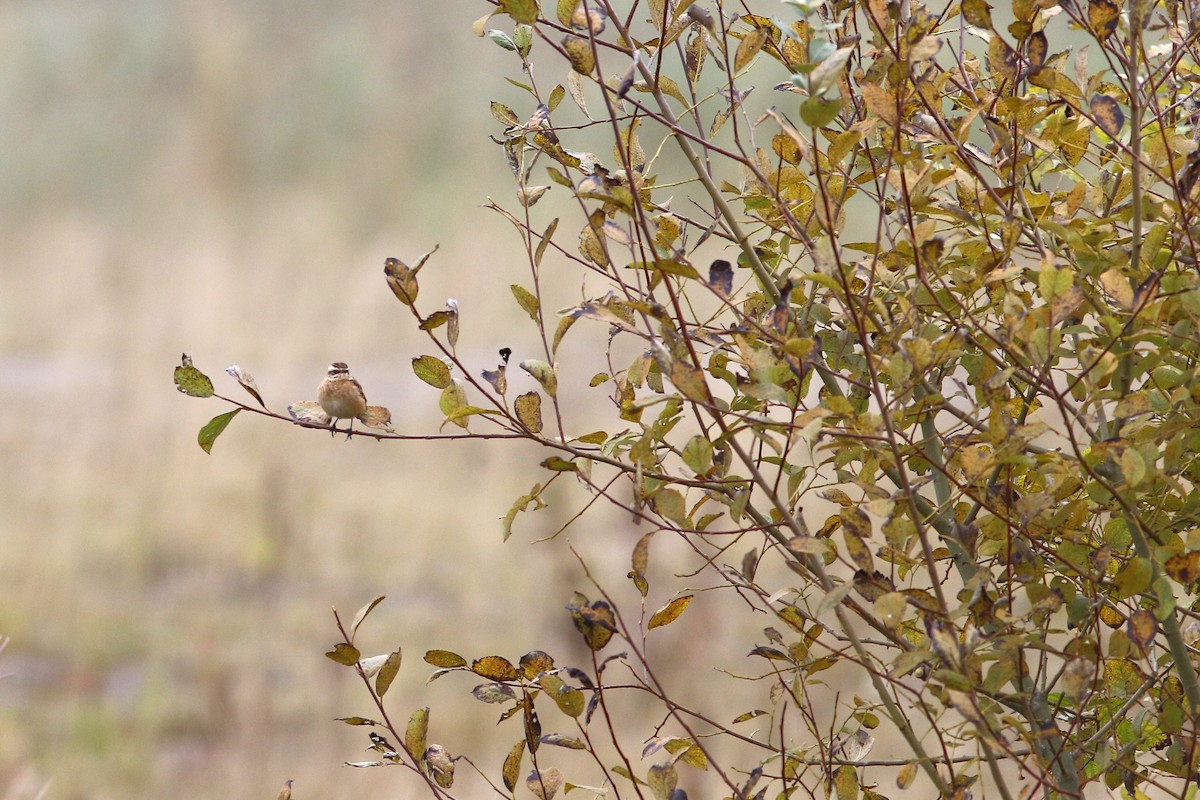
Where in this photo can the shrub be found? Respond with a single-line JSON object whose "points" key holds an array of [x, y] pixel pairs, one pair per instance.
{"points": [[938, 272]]}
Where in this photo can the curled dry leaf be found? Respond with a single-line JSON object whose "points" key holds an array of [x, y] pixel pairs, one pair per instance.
{"points": [[246, 381], [377, 417], [441, 765], [309, 412]]}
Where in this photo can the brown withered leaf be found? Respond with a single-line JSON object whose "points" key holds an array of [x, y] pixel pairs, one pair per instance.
{"points": [[1141, 628], [579, 52], [440, 764], [246, 381], [1003, 61], [748, 48], [528, 408], [1184, 567], [402, 279], [544, 784], [595, 621], [1038, 46], [856, 530], [512, 765], [1108, 114], [536, 662], [378, 417], [872, 585], [1103, 16], [720, 277], [533, 726], [978, 13], [496, 668], [309, 412]]}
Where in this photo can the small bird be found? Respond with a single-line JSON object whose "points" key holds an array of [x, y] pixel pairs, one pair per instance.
{"points": [[341, 397]]}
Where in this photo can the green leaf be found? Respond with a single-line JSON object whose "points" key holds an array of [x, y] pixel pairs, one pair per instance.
{"points": [[432, 370], [452, 402], [210, 432], [697, 454], [192, 381], [818, 112], [1053, 281], [1134, 578]]}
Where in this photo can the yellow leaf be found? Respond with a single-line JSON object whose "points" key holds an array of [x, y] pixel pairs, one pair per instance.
{"points": [[670, 612]]}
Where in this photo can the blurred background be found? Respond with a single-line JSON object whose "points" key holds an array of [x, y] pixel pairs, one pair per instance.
{"points": [[226, 178]]}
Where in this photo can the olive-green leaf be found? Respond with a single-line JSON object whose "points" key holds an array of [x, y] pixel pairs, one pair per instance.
{"points": [[527, 300], [670, 504], [670, 612], [566, 10], [416, 734], [192, 381], [387, 673], [697, 454], [818, 112], [210, 432], [444, 659], [978, 13], [523, 11], [344, 654], [545, 374], [579, 52], [512, 765], [529, 411], [432, 370], [662, 779], [1134, 578], [454, 398], [363, 612]]}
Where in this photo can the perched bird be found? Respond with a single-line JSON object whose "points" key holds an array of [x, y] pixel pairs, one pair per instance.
{"points": [[341, 397], [286, 792]]}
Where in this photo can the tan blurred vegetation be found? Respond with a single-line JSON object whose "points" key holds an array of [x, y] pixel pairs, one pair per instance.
{"points": [[226, 178]]}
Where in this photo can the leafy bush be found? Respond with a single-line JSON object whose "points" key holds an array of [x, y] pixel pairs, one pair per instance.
{"points": [[942, 277]]}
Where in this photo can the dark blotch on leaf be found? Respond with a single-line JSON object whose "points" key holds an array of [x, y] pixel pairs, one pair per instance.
{"points": [[720, 277]]}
